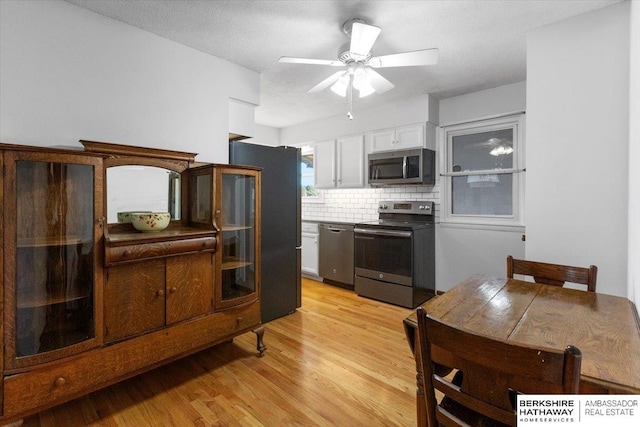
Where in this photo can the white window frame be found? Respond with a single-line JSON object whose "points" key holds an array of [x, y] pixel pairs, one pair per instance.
{"points": [[309, 149], [515, 121]]}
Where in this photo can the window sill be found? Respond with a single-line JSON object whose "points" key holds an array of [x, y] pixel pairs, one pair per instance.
{"points": [[485, 227]]}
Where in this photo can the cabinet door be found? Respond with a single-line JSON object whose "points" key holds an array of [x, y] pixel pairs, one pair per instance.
{"points": [[410, 137], [200, 195], [324, 156], [383, 140], [405, 137], [238, 216], [189, 286], [310, 253], [52, 209], [134, 298], [350, 155]]}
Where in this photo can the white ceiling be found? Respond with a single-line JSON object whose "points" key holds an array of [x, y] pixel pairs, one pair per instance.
{"points": [[482, 43]]}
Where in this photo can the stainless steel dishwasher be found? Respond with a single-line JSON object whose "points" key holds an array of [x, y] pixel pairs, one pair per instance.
{"points": [[336, 253]]}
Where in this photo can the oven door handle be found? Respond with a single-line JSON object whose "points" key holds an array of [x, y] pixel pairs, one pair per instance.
{"points": [[390, 233]]}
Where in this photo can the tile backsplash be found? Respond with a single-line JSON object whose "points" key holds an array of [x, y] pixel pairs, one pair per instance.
{"points": [[361, 204]]}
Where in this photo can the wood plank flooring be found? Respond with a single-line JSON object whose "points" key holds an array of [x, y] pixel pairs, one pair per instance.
{"points": [[339, 360]]}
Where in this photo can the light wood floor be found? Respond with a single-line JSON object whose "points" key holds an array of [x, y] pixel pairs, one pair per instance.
{"points": [[340, 360]]}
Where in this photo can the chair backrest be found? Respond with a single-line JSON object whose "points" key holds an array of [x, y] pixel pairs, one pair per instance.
{"points": [[553, 274], [493, 372]]}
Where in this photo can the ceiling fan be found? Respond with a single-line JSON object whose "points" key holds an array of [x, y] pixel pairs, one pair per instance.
{"points": [[357, 58]]}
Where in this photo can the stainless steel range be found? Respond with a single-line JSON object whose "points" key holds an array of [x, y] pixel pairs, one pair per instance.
{"points": [[395, 255]]}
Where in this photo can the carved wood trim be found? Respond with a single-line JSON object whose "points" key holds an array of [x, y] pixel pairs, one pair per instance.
{"points": [[133, 151]]}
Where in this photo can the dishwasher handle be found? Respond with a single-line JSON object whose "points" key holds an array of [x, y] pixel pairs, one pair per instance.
{"points": [[336, 228]]}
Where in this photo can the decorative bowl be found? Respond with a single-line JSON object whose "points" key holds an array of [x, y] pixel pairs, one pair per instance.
{"points": [[125, 217], [150, 221]]}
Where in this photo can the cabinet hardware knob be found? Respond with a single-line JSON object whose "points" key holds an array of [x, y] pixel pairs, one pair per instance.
{"points": [[160, 292], [173, 289], [59, 382], [238, 321]]}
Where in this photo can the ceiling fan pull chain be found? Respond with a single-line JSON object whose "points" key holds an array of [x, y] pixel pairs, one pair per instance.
{"points": [[350, 97]]}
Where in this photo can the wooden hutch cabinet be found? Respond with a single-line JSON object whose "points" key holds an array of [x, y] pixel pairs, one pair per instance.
{"points": [[87, 300]]}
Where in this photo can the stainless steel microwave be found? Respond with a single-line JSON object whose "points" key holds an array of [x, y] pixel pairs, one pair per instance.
{"points": [[402, 167]]}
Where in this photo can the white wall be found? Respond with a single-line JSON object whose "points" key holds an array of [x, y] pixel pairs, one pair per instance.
{"points": [[491, 102], [578, 143], [241, 117], [265, 135], [67, 74], [634, 158], [464, 251]]}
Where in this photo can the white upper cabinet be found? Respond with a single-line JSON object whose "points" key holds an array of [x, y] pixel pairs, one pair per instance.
{"points": [[420, 135], [340, 163], [383, 140], [350, 156], [324, 156]]}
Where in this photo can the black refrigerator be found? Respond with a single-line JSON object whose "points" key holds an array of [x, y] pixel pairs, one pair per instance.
{"points": [[281, 253]]}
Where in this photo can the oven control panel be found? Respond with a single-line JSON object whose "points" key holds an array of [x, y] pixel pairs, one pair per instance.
{"points": [[421, 207]]}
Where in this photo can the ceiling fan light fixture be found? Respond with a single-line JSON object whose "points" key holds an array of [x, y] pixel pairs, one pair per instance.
{"points": [[365, 89], [362, 82], [341, 85], [360, 78]]}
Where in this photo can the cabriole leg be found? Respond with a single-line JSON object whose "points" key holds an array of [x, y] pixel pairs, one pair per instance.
{"points": [[260, 338]]}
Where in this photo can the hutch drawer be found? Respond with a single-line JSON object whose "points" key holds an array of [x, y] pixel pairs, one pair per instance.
{"points": [[137, 251]]}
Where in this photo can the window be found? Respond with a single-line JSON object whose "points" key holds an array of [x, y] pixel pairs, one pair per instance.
{"points": [[483, 163], [308, 191]]}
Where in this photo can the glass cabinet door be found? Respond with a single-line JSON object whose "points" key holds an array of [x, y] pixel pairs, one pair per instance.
{"points": [[238, 192], [201, 195], [50, 293]]}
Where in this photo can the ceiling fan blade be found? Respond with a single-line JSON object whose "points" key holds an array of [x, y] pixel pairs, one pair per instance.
{"points": [[406, 59], [379, 83], [292, 60], [326, 82], [363, 37]]}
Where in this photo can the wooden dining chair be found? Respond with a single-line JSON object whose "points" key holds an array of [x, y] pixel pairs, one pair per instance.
{"points": [[553, 274], [490, 374]]}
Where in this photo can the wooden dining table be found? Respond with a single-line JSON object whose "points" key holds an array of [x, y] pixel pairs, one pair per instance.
{"points": [[605, 328]]}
